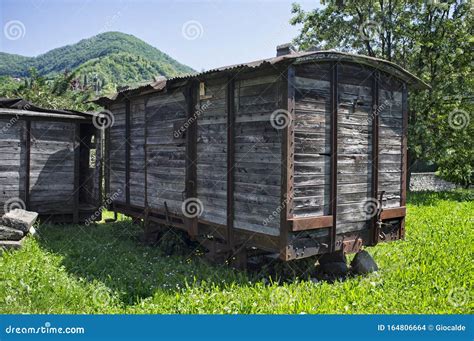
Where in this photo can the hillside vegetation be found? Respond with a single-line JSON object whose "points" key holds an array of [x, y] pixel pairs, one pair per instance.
{"points": [[114, 57]]}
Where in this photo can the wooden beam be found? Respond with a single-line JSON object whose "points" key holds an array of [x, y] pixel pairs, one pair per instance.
{"points": [[99, 158], [404, 175], [127, 150], [145, 151], [192, 100], [375, 152], [333, 194], [311, 223], [286, 94], [27, 163], [107, 161], [230, 100], [391, 213], [77, 160], [290, 154], [403, 196]]}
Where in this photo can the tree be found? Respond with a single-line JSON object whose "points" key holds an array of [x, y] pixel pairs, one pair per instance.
{"points": [[433, 40], [55, 94]]}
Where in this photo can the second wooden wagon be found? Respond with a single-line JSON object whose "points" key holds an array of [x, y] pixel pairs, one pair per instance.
{"points": [[48, 162]]}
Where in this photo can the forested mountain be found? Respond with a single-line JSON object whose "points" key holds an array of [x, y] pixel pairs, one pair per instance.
{"points": [[113, 57]]}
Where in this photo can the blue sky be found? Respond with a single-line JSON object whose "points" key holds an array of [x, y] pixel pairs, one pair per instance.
{"points": [[229, 32]]}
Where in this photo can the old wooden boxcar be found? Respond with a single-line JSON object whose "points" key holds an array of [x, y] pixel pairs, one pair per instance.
{"points": [[48, 162], [302, 154]]}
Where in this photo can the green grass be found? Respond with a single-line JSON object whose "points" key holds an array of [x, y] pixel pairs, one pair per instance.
{"points": [[104, 269]]}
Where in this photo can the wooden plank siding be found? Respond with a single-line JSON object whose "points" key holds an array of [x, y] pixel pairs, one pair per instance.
{"points": [[257, 173], [390, 114], [12, 165], [166, 160], [52, 167], [46, 163], [137, 151], [212, 151], [312, 140], [116, 153], [355, 142]]}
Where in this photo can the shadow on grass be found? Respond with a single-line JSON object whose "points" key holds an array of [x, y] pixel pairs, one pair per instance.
{"points": [[429, 198], [113, 254]]}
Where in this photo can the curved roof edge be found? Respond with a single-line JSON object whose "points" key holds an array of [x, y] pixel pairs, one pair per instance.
{"points": [[294, 58]]}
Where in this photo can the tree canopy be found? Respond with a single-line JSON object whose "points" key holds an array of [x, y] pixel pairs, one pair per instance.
{"points": [[432, 39]]}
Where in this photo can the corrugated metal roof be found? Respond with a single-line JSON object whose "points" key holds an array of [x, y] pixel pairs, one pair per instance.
{"points": [[21, 107], [297, 57]]}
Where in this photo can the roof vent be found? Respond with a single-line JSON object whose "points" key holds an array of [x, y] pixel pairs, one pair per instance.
{"points": [[285, 49]]}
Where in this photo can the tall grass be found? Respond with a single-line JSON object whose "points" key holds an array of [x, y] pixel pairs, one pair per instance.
{"points": [[105, 269]]}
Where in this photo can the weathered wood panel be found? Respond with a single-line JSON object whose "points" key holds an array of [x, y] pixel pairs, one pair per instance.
{"points": [[116, 152], [166, 148], [390, 137], [257, 177], [211, 116], [354, 174], [312, 140], [12, 160], [137, 151], [52, 166]]}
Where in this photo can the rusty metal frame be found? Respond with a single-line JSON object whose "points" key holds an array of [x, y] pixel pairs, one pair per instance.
{"points": [[375, 152], [192, 100], [311, 223], [230, 101], [390, 213], [250, 238], [334, 154]]}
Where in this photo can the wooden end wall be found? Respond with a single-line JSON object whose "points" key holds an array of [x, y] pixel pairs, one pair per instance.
{"points": [[42, 164]]}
